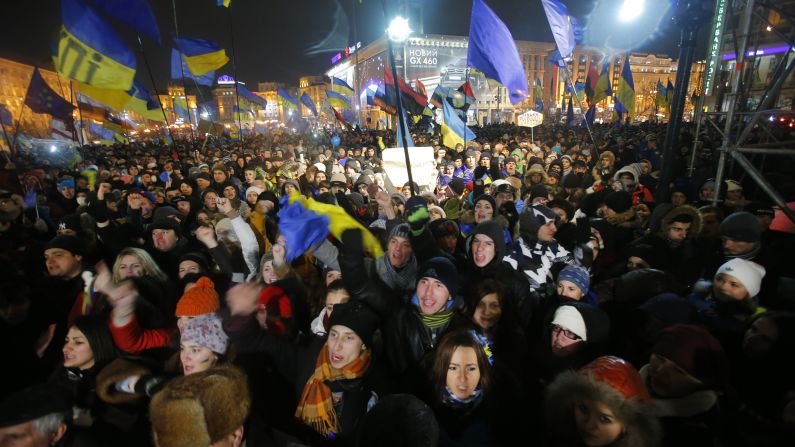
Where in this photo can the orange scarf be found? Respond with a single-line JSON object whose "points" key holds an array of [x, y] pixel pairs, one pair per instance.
{"points": [[315, 408]]}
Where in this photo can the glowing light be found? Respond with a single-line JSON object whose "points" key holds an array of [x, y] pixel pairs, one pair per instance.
{"points": [[53, 148], [399, 29], [631, 10]]}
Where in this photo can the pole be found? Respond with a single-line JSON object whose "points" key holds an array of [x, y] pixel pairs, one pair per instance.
{"points": [[690, 21], [401, 116], [182, 71], [234, 73], [157, 94], [79, 110]]}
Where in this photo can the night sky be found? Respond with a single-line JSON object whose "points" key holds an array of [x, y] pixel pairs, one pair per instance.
{"points": [[282, 40]]}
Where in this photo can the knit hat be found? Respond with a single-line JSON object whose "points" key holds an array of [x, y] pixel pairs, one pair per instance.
{"points": [[438, 209], [271, 196], [492, 230], [206, 330], [196, 257], [741, 226], [537, 191], [619, 201], [733, 185], [338, 179], [166, 223], [401, 230], [457, 185], [254, 189], [357, 316], [441, 269], [201, 408], [164, 212], [452, 208], [749, 273], [694, 350], [415, 201], [400, 197], [69, 243], [200, 299], [577, 276], [489, 199], [619, 375], [569, 318], [70, 222], [443, 227]]}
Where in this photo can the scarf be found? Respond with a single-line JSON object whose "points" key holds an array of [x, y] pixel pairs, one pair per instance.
{"points": [[401, 280], [437, 320], [451, 400], [315, 408]]}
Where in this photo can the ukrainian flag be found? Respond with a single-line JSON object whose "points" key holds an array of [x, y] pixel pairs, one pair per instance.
{"points": [[454, 131], [337, 100], [539, 96], [115, 99], [625, 94], [603, 86], [202, 56], [143, 104], [181, 107], [341, 87], [90, 51], [287, 100], [662, 98], [224, 3]]}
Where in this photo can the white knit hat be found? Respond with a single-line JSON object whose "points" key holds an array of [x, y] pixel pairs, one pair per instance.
{"points": [[749, 273], [255, 189], [569, 318]]}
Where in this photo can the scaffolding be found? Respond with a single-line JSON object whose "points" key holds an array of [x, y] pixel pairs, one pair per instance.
{"points": [[742, 122]]}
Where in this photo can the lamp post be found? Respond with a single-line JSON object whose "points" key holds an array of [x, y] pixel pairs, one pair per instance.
{"points": [[689, 16], [399, 31]]}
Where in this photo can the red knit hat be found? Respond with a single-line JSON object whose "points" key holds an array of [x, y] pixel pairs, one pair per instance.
{"points": [[270, 293], [619, 375], [200, 299]]}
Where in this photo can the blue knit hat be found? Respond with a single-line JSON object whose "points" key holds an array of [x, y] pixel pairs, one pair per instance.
{"points": [[577, 276]]}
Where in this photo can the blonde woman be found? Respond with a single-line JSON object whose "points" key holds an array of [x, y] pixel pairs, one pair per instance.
{"points": [[134, 263]]}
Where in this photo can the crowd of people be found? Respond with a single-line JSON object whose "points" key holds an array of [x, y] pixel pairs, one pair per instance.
{"points": [[538, 293]]}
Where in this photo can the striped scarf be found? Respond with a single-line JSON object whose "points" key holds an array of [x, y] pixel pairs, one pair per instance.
{"points": [[316, 408], [437, 320]]}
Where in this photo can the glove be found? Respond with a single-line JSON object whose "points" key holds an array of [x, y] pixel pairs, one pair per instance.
{"points": [[352, 241], [479, 172], [418, 219]]}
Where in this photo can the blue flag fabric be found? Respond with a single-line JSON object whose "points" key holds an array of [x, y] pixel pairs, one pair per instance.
{"points": [[590, 115], [135, 13], [179, 70], [302, 228], [201, 55], [570, 114], [492, 50], [563, 26], [42, 99], [209, 111], [307, 101], [288, 101], [454, 130], [405, 129], [5, 116], [249, 95]]}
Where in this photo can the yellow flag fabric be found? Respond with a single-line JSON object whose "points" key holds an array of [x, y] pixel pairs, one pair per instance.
{"points": [[139, 106], [115, 99], [80, 62], [204, 63], [339, 221]]}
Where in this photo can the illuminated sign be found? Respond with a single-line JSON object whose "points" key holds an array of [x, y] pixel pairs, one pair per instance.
{"points": [[346, 53], [225, 80], [760, 52], [716, 41]]}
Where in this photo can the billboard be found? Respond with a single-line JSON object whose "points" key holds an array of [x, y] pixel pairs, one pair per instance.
{"points": [[435, 63]]}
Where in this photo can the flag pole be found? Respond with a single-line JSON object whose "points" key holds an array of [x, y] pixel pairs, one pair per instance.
{"points": [[234, 73], [154, 87], [182, 71], [60, 86], [79, 110], [22, 111], [574, 90]]}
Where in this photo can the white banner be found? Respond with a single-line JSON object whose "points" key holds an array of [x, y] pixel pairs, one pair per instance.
{"points": [[423, 169], [530, 118]]}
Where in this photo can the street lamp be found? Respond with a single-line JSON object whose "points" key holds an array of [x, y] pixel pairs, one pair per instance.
{"points": [[398, 31]]}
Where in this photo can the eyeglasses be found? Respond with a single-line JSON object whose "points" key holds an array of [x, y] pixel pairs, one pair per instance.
{"points": [[566, 333]]}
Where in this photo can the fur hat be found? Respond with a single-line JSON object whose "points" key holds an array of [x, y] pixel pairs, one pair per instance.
{"points": [[200, 299], [200, 409], [613, 382]]}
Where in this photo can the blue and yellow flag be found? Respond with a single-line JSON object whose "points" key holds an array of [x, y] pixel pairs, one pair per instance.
{"points": [[181, 107], [90, 51], [201, 55], [312, 221], [115, 99], [42, 99], [287, 100], [143, 104], [669, 93], [539, 96], [337, 100], [341, 87], [454, 131], [625, 94], [179, 70], [135, 13], [6, 119], [603, 86], [307, 101], [224, 3], [662, 98]]}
